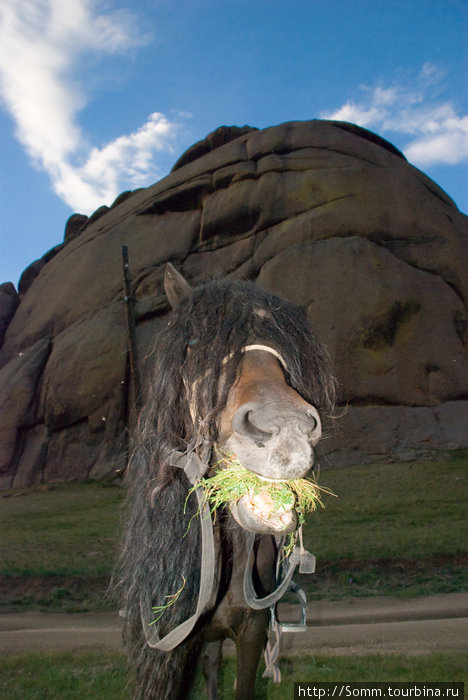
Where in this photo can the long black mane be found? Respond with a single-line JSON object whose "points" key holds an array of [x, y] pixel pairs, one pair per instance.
{"points": [[196, 360]]}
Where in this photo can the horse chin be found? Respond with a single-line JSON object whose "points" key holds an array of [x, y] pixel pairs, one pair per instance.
{"points": [[268, 522]]}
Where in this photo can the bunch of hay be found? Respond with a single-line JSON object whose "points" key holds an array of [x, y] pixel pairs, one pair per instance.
{"points": [[232, 481]]}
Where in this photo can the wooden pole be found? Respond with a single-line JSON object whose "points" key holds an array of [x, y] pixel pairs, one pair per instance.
{"points": [[135, 376]]}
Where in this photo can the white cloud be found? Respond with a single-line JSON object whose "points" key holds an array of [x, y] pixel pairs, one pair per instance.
{"points": [[435, 131], [447, 145], [126, 162], [41, 45]]}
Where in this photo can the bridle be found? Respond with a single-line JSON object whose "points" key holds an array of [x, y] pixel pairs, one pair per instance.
{"points": [[194, 469], [265, 348]]}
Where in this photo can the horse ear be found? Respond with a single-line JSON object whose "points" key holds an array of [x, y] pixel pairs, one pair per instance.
{"points": [[176, 287]]}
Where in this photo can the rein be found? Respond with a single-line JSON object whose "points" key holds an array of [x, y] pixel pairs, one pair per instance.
{"points": [[193, 468], [249, 590]]}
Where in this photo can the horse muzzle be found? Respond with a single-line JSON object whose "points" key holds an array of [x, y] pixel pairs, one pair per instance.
{"points": [[275, 441], [257, 513]]}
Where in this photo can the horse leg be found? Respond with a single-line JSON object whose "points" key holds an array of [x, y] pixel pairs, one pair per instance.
{"points": [[250, 641], [211, 664]]}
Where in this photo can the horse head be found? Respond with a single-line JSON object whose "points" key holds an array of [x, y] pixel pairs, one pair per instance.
{"points": [[265, 423], [272, 431]]}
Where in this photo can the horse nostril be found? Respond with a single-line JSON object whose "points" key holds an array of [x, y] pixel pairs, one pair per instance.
{"points": [[243, 424], [315, 425], [313, 420]]}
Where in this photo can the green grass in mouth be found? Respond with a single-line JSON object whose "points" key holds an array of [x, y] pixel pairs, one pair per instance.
{"points": [[232, 481]]}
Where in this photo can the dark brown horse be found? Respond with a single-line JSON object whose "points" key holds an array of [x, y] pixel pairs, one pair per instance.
{"points": [[237, 370]]}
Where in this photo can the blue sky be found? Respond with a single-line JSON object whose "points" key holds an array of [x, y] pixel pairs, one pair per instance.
{"points": [[97, 97]]}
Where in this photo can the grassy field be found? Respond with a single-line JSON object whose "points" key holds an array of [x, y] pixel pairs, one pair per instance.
{"points": [[394, 529], [59, 545], [102, 676]]}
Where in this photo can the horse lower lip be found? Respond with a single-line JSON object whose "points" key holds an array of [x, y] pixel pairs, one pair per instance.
{"points": [[280, 519], [266, 510], [267, 515], [276, 520]]}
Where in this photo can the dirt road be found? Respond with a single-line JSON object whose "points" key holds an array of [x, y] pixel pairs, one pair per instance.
{"points": [[357, 626]]}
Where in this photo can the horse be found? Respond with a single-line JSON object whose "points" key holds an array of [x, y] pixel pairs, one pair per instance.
{"points": [[237, 370]]}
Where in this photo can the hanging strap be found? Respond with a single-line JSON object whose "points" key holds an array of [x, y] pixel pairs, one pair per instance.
{"points": [[272, 649], [249, 590], [193, 468]]}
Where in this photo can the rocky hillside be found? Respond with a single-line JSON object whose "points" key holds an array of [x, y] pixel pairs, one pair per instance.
{"points": [[324, 213]]}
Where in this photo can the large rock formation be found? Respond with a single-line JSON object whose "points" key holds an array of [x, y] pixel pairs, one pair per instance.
{"points": [[324, 213]]}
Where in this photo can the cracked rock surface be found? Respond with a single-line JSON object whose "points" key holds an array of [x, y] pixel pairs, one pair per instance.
{"points": [[324, 213]]}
